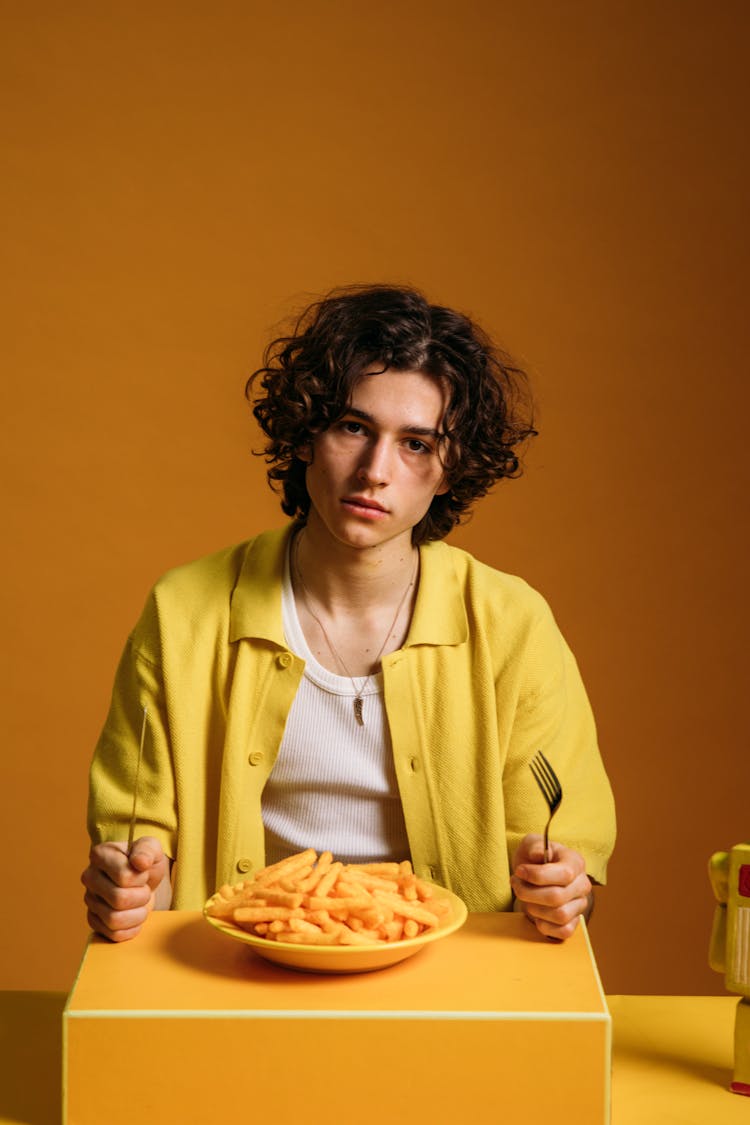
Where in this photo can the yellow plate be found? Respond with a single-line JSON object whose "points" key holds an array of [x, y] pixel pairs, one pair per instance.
{"points": [[345, 958]]}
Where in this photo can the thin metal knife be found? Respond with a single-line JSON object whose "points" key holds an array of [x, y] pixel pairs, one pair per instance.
{"points": [[131, 831]]}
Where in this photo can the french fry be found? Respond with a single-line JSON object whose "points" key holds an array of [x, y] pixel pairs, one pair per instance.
{"points": [[424, 890], [313, 879], [286, 867], [320, 938], [323, 919], [328, 881], [407, 909], [357, 937], [306, 899], [394, 930], [337, 904], [266, 913], [222, 908], [290, 881], [274, 897], [390, 870], [302, 926], [349, 888], [368, 881]]}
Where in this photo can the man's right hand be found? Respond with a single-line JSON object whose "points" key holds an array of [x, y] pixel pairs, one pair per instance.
{"points": [[122, 890]]}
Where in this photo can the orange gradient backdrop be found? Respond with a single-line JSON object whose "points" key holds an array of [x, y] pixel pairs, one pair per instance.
{"points": [[177, 178]]}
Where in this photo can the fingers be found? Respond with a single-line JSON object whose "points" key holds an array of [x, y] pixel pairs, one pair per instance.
{"points": [[552, 930], [145, 865], [120, 888], [564, 865], [530, 850], [554, 874], [121, 925], [119, 912], [553, 895], [558, 922], [147, 856], [116, 912], [117, 897], [111, 860]]}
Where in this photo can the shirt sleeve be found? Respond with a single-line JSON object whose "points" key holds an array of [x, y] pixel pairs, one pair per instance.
{"points": [[554, 715], [138, 685]]}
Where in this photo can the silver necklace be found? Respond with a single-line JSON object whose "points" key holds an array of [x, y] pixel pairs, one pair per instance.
{"points": [[358, 693]]}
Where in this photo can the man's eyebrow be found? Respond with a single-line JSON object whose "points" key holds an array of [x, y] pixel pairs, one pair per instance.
{"points": [[423, 431]]}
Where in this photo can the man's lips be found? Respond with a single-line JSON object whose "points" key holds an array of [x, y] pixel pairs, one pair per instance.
{"points": [[363, 503]]}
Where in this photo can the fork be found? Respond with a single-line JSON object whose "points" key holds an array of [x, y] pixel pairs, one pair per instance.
{"points": [[548, 782]]}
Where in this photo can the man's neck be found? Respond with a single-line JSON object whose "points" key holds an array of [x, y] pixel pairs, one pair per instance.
{"points": [[344, 578], [354, 606]]}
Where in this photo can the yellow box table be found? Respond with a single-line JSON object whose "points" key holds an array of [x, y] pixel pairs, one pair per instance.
{"points": [[184, 1024]]}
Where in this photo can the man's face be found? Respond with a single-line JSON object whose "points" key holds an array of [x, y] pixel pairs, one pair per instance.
{"points": [[373, 474]]}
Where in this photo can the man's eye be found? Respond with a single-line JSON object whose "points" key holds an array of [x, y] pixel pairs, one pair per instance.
{"points": [[350, 427], [414, 445]]}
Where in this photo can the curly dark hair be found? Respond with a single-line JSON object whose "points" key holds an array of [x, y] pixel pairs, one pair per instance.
{"points": [[308, 376]]}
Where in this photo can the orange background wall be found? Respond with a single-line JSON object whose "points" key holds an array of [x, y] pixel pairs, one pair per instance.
{"points": [[176, 177]]}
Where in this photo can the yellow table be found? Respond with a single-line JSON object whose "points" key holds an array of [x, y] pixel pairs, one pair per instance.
{"points": [[672, 1060], [433, 1038]]}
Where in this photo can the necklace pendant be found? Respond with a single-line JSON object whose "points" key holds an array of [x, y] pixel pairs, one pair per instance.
{"points": [[358, 710]]}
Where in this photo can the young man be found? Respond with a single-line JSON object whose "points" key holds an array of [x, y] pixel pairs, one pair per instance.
{"points": [[352, 683]]}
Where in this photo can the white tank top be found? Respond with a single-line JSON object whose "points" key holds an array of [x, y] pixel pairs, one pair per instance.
{"points": [[333, 785]]}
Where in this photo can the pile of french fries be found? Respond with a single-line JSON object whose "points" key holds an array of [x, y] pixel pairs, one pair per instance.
{"points": [[308, 899]]}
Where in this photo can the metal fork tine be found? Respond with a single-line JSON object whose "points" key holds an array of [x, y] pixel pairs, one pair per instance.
{"points": [[553, 785], [549, 783], [539, 780], [542, 779]]}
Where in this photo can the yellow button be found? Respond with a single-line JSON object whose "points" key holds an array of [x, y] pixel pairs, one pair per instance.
{"points": [[285, 659], [414, 764], [244, 865], [255, 758]]}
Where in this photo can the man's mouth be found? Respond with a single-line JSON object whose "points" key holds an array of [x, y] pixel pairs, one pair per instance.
{"points": [[364, 505]]}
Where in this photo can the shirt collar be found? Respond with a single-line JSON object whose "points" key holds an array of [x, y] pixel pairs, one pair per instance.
{"points": [[439, 614], [256, 599]]}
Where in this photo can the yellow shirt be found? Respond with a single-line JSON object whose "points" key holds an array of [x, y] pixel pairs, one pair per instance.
{"points": [[483, 681]]}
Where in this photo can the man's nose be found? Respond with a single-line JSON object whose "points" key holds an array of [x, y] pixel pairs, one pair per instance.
{"points": [[375, 466]]}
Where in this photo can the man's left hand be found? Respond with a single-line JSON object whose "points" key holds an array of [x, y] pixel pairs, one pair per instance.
{"points": [[553, 895]]}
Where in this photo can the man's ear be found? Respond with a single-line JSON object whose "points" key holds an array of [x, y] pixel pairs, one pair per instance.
{"points": [[443, 487], [304, 453]]}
